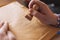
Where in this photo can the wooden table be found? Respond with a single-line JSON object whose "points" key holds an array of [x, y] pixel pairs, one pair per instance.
{"points": [[5, 2], [24, 29]]}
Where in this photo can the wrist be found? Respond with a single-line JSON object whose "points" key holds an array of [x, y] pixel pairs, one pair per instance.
{"points": [[55, 18], [57, 21]]}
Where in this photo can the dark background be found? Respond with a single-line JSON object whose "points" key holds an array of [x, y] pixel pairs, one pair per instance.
{"points": [[55, 8], [56, 2]]}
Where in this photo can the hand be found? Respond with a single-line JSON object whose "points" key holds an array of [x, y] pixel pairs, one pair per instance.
{"points": [[4, 33], [45, 15]]}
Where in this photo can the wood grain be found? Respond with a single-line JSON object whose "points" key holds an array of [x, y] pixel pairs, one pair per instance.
{"points": [[5, 2], [24, 29]]}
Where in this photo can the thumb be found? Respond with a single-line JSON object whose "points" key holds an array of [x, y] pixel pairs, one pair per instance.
{"points": [[11, 36]]}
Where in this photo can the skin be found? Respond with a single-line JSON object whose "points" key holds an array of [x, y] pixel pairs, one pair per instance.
{"points": [[4, 33], [45, 15]]}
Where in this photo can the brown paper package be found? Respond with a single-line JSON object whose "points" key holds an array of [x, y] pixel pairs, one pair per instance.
{"points": [[24, 29]]}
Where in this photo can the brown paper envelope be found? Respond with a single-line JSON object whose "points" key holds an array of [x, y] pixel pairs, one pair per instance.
{"points": [[24, 29]]}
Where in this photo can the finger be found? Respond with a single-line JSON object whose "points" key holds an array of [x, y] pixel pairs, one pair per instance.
{"points": [[6, 37], [39, 3], [37, 14], [30, 10], [1, 23], [4, 28], [43, 7], [35, 7], [11, 36], [31, 4]]}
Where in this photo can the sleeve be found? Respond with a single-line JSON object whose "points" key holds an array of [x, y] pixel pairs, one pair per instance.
{"points": [[58, 21]]}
